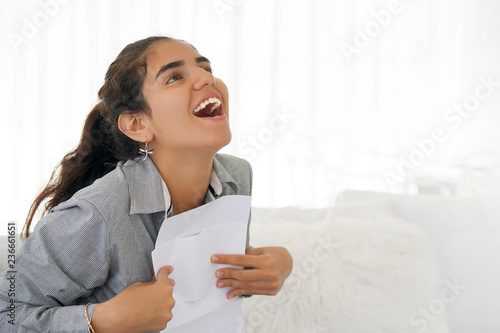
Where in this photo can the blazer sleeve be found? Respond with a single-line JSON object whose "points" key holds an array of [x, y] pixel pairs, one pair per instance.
{"points": [[56, 270]]}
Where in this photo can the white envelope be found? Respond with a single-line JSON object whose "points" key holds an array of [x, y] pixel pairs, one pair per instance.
{"points": [[187, 241]]}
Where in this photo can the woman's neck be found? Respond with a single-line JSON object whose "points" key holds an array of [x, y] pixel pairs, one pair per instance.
{"points": [[187, 177]]}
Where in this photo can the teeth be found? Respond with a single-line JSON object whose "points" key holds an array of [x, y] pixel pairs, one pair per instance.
{"points": [[214, 107], [210, 100]]}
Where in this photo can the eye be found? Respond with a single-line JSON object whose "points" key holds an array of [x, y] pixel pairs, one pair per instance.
{"points": [[174, 77], [208, 69]]}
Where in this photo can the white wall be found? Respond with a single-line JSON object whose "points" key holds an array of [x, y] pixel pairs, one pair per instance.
{"points": [[355, 118]]}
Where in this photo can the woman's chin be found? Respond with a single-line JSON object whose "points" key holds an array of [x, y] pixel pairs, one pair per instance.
{"points": [[222, 141]]}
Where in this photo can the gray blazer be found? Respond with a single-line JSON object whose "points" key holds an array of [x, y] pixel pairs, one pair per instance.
{"points": [[94, 245]]}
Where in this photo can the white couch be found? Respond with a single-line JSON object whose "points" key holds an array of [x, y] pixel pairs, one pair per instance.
{"points": [[403, 263], [381, 263]]}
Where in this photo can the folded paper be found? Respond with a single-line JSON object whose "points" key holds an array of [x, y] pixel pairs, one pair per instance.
{"points": [[186, 242]]}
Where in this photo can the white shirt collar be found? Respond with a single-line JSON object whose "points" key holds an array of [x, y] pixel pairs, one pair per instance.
{"points": [[214, 183]]}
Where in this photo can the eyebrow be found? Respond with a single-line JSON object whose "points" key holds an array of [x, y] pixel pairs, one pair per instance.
{"points": [[179, 63], [201, 59]]}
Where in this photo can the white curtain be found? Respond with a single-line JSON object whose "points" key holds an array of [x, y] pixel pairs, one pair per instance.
{"points": [[399, 96]]}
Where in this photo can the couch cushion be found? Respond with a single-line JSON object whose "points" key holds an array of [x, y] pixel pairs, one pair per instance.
{"points": [[351, 274], [465, 232]]}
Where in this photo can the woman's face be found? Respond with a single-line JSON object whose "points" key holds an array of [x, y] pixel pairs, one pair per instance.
{"points": [[189, 106]]}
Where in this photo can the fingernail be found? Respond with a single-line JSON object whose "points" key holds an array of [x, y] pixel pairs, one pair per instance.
{"points": [[230, 296], [215, 259], [220, 284], [170, 270], [220, 274], [172, 282]]}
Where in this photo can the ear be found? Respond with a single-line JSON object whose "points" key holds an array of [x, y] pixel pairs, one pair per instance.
{"points": [[134, 126]]}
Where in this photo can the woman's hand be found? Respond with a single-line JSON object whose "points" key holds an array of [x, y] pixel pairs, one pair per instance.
{"points": [[270, 268], [140, 307]]}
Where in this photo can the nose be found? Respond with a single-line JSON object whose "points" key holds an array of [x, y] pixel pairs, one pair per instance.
{"points": [[202, 78]]}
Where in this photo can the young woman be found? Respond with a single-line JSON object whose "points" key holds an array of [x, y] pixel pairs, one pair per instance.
{"points": [[88, 264]]}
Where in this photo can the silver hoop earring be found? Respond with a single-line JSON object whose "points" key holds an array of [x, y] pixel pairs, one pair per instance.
{"points": [[146, 151]]}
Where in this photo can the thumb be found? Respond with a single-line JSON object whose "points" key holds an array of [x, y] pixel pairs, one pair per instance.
{"points": [[163, 274]]}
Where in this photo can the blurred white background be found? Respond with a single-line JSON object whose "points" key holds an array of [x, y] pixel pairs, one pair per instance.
{"points": [[325, 95]]}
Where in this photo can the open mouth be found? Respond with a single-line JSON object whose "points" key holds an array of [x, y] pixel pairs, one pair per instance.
{"points": [[210, 107]]}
